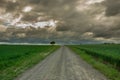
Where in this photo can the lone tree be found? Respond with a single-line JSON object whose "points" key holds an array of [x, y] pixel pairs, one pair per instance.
{"points": [[52, 42]]}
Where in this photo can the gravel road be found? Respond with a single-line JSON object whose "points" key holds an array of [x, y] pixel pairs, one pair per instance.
{"points": [[63, 64]]}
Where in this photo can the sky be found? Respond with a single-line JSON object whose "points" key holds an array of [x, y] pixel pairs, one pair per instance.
{"points": [[63, 21]]}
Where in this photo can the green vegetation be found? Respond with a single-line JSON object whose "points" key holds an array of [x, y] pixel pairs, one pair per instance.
{"points": [[52, 42], [103, 57], [110, 53], [14, 59]]}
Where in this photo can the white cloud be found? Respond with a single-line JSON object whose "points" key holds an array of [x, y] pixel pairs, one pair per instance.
{"points": [[93, 1], [16, 20], [27, 9], [42, 24], [50, 23]]}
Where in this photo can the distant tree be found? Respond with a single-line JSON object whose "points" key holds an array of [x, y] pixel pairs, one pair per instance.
{"points": [[52, 42]]}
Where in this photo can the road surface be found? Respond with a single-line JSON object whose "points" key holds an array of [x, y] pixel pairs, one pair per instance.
{"points": [[63, 64]]}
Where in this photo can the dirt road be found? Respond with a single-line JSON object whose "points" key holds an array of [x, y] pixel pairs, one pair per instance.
{"points": [[62, 65]]}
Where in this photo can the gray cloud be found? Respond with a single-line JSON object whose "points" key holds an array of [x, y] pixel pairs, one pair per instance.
{"points": [[10, 6], [2, 3], [113, 7], [89, 23], [30, 17]]}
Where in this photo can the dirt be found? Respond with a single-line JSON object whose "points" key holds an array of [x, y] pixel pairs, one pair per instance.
{"points": [[63, 64]]}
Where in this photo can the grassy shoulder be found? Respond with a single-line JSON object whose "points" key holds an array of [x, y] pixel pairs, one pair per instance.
{"points": [[21, 59], [107, 70]]}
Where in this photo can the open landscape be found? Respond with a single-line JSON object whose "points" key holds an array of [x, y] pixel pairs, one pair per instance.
{"points": [[52, 62], [59, 39]]}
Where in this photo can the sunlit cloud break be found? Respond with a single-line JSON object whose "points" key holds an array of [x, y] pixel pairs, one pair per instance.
{"points": [[27, 9]]}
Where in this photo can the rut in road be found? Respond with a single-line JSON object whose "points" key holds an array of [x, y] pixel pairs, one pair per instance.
{"points": [[63, 64]]}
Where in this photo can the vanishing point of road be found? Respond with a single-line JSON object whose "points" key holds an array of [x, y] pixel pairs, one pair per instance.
{"points": [[63, 64]]}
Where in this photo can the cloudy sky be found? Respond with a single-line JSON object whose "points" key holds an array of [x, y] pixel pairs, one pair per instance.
{"points": [[65, 21]]}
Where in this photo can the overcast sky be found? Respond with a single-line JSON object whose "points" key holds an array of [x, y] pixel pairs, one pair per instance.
{"points": [[68, 21]]}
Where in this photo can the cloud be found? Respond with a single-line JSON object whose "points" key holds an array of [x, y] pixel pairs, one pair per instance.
{"points": [[2, 3], [30, 17], [2, 28], [74, 20], [112, 7], [27, 9], [11, 6]]}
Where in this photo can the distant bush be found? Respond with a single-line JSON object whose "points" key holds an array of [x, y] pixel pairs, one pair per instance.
{"points": [[52, 42]]}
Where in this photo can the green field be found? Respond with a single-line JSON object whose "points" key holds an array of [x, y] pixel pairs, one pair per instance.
{"points": [[14, 59], [104, 57], [109, 53]]}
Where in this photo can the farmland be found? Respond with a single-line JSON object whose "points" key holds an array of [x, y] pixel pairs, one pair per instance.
{"points": [[104, 57], [14, 59]]}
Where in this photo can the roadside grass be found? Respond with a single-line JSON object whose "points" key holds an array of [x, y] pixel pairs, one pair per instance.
{"points": [[106, 69], [15, 59]]}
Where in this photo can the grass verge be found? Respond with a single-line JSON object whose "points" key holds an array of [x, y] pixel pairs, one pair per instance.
{"points": [[107, 70]]}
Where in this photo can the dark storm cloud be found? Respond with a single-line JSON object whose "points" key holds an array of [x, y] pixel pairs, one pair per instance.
{"points": [[6, 4], [2, 3], [30, 17], [57, 9], [106, 31], [73, 24], [62, 10], [62, 28], [29, 34], [12, 6], [113, 7]]}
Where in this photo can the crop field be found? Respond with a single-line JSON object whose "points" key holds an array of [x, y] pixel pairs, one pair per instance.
{"points": [[108, 52], [14, 59], [104, 57]]}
